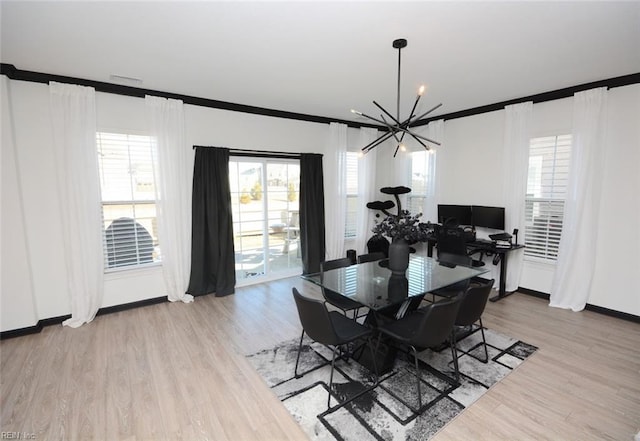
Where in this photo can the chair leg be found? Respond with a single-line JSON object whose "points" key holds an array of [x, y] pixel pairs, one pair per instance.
{"points": [[333, 359], [484, 341], [454, 354], [295, 372], [373, 357], [415, 359]]}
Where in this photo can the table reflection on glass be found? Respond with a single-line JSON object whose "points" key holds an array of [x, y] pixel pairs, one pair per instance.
{"points": [[373, 285]]}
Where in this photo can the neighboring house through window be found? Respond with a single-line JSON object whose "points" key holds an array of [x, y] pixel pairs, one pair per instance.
{"points": [[127, 166], [549, 159]]}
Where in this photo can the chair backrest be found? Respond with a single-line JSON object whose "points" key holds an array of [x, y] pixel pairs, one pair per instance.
{"points": [[451, 240], [336, 263], [437, 323], [314, 318], [378, 244], [294, 220], [371, 257], [473, 303], [327, 265]]}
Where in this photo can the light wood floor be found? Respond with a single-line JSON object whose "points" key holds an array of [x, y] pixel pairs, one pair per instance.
{"points": [[176, 371]]}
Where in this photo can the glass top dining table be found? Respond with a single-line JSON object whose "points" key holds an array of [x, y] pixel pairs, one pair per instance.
{"points": [[374, 285]]}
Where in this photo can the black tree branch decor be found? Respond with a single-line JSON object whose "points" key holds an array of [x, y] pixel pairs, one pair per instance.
{"points": [[402, 225]]}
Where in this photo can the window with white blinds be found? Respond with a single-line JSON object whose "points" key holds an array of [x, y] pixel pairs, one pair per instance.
{"points": [[419, 176], [352, 195], [127, 166], [547, 180]]}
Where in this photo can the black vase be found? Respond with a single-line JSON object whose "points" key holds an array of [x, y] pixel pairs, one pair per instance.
{"points": [[398, 256], [398, 288]]}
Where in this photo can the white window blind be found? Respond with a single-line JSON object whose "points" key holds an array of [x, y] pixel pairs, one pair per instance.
{"points": [[352, 195], [127, 166], [416, 199], [549, 159]]}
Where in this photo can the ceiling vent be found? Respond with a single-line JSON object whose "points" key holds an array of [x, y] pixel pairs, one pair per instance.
{"points": [[126, 81]]}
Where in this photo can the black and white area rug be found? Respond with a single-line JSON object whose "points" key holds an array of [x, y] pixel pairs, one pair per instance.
{"points": [[377, 415]]}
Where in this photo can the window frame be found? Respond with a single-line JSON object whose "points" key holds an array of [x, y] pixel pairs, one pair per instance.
{"points": [[134, 203], [542, 236], [351, 217]]}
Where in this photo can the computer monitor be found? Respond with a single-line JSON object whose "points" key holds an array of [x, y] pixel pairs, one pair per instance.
{"points": [[462, 213], [488, 217]]}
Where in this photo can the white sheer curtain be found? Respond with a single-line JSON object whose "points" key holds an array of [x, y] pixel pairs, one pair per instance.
{"points": [[576, 256], [166, 118], [366, 191], [517, 135], [336, 191], [73, 115], [401, 170], [435, 131]]}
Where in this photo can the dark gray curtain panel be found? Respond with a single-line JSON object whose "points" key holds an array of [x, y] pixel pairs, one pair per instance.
{"points": [[312, 242], [212, 252]]}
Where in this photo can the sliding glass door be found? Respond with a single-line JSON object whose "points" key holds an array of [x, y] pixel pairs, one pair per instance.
{"points": [[266, 222]]}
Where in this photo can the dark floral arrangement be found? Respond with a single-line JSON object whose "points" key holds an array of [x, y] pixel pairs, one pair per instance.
{"points": [[403, 226]]}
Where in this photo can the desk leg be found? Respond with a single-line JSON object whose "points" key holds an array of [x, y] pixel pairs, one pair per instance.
{"points": [[503, 279]]}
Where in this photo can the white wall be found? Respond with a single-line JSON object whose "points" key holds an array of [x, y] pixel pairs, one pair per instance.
{"points": [[470, 172], [40, 253], [615, 281], [17, 310]]}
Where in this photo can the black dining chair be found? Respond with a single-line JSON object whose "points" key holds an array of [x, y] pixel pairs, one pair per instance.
{"points": [[333, 298], [424, 328], [371, 257], [451, 259], [331, 329], [451, 239], [471, 308]]}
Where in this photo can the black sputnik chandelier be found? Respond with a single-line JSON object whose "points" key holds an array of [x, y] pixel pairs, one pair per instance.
{"points": [[396, 127]]}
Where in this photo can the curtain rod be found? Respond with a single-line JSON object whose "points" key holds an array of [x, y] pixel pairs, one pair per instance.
{"points": [[567, 92], [256, 153], [117, 89], [24, 75]]}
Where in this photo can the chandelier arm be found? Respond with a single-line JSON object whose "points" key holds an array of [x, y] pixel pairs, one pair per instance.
{"points": [[413, 109], [385, 111], [392, 129], [378, 141], [372, 118], [415, 135], [428, 112]]}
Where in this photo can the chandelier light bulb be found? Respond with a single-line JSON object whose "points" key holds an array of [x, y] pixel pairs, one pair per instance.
{"points": [[421, 90], [403, 148], [356, 112]]}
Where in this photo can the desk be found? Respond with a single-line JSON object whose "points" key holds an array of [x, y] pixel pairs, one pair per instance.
{"points": [[489, 248]]}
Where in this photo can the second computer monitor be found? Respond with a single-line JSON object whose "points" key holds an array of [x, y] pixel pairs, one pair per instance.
{"points": [[488, 217]]}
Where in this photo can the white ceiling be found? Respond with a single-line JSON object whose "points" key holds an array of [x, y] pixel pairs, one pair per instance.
{"points": [[324, 58]]}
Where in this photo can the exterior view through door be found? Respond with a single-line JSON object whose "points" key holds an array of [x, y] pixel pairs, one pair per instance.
{"points": [[266, 221]]}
